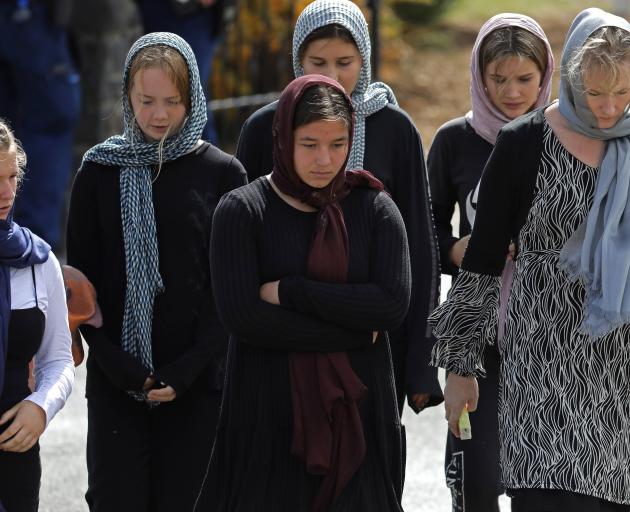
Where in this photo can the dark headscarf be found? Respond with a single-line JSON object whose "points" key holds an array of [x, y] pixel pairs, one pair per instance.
{"points": [[19, 248], [327, 430]]}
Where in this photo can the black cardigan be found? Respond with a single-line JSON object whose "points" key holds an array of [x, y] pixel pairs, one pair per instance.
{"points": [[508, 181]]}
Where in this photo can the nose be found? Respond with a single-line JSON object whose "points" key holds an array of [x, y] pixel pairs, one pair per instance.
{"points": [[323, 157], [7, 192], [331, 72], [608, 105], [511, 90], [160, 112]]}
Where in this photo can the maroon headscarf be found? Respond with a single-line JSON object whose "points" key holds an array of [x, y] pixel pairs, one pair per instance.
{"points": [[325, 391]]}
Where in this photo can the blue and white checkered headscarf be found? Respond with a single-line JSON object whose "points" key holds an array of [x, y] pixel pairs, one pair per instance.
{"points": [[367, 97], [135, 156]]}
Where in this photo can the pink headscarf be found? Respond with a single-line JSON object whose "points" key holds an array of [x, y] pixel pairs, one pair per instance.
{"points": [[485, 118]]}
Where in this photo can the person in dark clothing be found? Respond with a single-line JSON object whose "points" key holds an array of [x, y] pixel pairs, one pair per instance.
{"points": [[331, 37], [139, 229], [511, 69], [557, 184], [40, 93], [311, 269], [33, 324]]}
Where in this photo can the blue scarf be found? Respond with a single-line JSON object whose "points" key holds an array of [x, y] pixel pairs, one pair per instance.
{"points": [[19, 248], [598, 253], [135, 156]]}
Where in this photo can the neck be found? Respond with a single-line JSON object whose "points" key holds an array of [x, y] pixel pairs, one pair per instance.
{"points": [[292, 201]]}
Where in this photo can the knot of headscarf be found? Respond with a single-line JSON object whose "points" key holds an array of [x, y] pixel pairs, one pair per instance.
{"points": [[597, 253], [485, 118], [135, 156], [367, 98], [19, 248], [325, 391]]}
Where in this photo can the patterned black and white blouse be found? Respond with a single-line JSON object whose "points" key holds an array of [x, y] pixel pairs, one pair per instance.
{"points": [[564, 412]]}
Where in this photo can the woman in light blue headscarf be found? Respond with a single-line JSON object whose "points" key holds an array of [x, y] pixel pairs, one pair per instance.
{"points": [[557, 182], [139, 229]]}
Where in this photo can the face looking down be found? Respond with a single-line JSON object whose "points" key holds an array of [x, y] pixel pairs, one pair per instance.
{"points": [[336, 59], [607, 102], [512, 84], [157, 104], [8, 181], [319, 151]]}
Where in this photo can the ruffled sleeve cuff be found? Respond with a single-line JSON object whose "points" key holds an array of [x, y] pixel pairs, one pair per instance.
{"points": [[465, 323]]}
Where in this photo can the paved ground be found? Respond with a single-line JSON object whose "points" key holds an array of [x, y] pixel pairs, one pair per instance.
{"points": [[63, 458]]}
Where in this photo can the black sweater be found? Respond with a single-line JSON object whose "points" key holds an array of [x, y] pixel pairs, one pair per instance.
{"points": [[258, 238], [455, 164], [188, 342], [394, 154]]}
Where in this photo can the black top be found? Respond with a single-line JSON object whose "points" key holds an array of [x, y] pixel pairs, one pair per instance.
{"points": [[188, 340], [258, 238], [26, 329], [455, 164], [394, 154]]}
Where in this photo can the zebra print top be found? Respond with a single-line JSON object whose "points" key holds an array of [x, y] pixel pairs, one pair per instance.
{"points": [[564, 409]]}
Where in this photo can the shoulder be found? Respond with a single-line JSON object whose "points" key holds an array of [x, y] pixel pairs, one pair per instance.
{"points": [[51, 271], [391, 117], [262, 118], [247, 200], [529, 125], [91, 173], [213, 156], [454, 128]]}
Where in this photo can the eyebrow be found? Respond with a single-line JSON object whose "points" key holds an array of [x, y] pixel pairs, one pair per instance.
{"points": [[313, 139], [315, 57], [153, 97]]}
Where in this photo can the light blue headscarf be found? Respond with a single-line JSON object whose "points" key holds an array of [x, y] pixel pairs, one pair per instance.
{"points": [[367, 97], [598, 253], [135, 156]]}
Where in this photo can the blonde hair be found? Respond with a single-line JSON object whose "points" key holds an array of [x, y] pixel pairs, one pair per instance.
{"points": [[168, 59], [604, 51], [8, 144]]}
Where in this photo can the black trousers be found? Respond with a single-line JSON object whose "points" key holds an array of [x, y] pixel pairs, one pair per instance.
{"points": [[20, 477], [142, 459], [551, 500], [472, 467]]}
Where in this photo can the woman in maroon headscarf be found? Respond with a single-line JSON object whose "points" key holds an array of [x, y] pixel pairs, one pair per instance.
{"points": [[311, 268]]}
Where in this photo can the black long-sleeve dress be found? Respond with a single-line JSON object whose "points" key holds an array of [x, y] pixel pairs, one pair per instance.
{"points": [[136, 455], [394, 154], [258, 238]]}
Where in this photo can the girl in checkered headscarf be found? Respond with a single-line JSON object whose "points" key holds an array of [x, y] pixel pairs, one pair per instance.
{"points": [[139, 229]]}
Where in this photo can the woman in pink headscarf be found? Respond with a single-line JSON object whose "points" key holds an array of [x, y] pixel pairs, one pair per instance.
{"points": [[511, 70]]}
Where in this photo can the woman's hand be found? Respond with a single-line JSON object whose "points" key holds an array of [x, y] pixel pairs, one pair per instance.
{"points": [[511, 251], [420, 400], [165, 394], [269, 292], [456, 254], [459, 392], [29, 422]]}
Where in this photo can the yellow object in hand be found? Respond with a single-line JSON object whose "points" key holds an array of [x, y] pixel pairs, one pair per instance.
{"points": [[465, 430]]}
